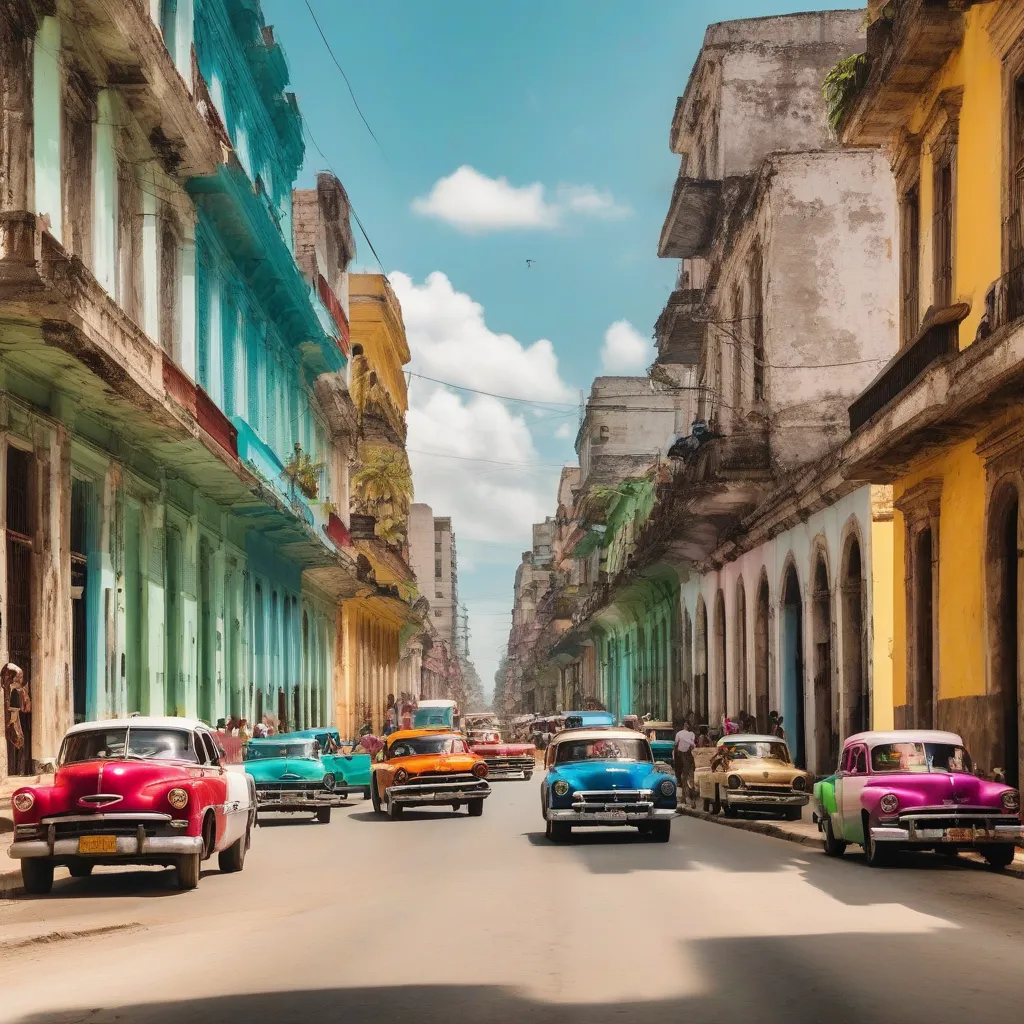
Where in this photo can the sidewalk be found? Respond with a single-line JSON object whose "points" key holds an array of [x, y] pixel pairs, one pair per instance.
{"points": [[806, 833]]}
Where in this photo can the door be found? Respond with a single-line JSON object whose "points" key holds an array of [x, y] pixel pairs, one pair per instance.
{"points": [[849, 786]]}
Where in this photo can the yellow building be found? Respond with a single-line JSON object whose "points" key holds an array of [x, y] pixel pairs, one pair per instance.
{"points": [[941, 88]]}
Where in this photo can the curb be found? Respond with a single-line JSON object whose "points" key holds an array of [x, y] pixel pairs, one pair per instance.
{"points": [[775, 831], [63, 936]]}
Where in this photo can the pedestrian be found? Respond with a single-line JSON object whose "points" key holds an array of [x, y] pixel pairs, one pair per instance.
{"points": [[682, 757], [773, 721], [221, 725], [243, 731], [703, 739], [779, 729], [17, 704]]}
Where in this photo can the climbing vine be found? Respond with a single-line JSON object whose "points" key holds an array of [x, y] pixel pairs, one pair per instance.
{"points": [[841, 86]]}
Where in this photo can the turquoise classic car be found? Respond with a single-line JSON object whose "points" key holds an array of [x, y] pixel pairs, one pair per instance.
{"points": [[290, 776], [351, 771], [663, 739]]}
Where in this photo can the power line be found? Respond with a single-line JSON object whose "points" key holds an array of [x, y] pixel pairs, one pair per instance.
{"points": [[491, 394], [495, 462], [343, 75]]}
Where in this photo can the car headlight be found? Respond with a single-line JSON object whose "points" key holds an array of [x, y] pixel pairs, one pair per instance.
{"points": [[889, 803], [734, 782], [480, 770], [1011, 800], [401, 775], [329, 782], [178, 798], [799, 783], [23, 802], [667, 787], [561, 787]]}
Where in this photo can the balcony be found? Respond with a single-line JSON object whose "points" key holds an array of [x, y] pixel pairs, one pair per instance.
{"points": [[692, 215], [681, 327], [904, 53], [938, 338]]}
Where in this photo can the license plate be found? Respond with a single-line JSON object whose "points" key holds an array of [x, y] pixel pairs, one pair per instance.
{"points": [[959, 835], [615, 814], [97, 844]]}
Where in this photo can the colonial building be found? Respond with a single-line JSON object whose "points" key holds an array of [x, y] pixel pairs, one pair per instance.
{"points": [[940, 90]]}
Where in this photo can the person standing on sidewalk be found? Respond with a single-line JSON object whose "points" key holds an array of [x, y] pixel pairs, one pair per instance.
{"points": [[682, 756]]}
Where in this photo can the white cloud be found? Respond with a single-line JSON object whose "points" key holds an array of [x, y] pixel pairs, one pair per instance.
{"points": [[564, 432], [625, 349], [474, 203]]}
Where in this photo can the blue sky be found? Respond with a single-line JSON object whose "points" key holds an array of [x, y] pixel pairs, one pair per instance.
{"points": [[568, 102]]}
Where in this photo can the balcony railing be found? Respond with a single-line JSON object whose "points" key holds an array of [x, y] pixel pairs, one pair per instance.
{"points": [[938, 337]]}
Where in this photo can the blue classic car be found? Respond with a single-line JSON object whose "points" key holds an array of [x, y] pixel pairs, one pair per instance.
{"points": [[588, 719], [351, 771], [605, 777], [290, 776]]}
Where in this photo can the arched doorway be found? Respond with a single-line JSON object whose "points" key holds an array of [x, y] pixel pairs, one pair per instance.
{"points": [[1004, 595], [792, 664], [826, 733], [856, 698], [721, 653], [761, 655], [740, 676], [700, 674]]}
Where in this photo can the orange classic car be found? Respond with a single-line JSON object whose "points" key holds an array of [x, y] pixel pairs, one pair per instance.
{"points": [[427, 767]]}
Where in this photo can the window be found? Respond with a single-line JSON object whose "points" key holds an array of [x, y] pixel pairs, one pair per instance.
{"points": [[757, 324], [79, 115], [910, 238], [860, 766], [212, 751], [437, 613], [1015, 215], [438, 594], [170, 289], [129, 241], [437, 570], [942, 229], [168, 25], [437, 547]]}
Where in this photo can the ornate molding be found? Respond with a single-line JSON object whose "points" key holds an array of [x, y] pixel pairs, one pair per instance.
{"points": [[921, 501]]}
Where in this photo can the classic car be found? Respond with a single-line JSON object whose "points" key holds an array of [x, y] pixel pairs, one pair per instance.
{"points": [[663, 739], [753, 773], [290, 776], [133, 791], [506, 760], [437, 714], [425, 768], [605, 777], [915, 789], [588, 720], [351, 770], [481, 727]]}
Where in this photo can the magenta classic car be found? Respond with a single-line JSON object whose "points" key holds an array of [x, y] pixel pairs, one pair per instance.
{"points": [[915, 789]]}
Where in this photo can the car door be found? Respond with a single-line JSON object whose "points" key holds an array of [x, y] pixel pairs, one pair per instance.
{"points": [[215, 787], [848, 799]]}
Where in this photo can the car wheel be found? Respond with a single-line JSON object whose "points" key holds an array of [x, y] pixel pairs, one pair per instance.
{"points": [[37, 875], [394, 809], [661, 831], [527, 776], [547, 829], [716, 804], [999, 857], [80, 869], [729, 811], [833, 847], [644, 829], [188, 871], [561, 832], [233, 858], [366, 792], [794, 813], [323, 815], [375, 798], [877, 855], [475, 808], [707, 806]]}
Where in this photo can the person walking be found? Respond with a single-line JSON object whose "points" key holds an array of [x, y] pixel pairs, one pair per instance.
{"points": [[703, 739], [682, 757], [17, 722]]}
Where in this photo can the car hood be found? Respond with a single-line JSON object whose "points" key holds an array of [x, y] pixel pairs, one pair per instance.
{"points": [[934, 789], [768, 771], [604, 774], [285, 769], [503, 749], [420, 763]]}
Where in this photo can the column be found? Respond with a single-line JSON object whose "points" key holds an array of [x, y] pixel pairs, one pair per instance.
{"points": [[104, 216], [188, 302], [154, 608], [150, 266], [47, 134]]}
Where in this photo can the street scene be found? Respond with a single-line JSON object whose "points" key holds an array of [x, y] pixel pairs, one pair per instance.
{"points": [[511, 513]]}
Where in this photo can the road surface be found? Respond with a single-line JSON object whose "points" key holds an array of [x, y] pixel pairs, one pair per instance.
{"points": [[445, 918]]}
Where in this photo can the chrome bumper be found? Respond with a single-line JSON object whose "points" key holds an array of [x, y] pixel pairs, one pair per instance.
{"points": [[439, 793], [607, 817], [127, 846], [931, 836], [509, 771], [750, 798], [282, 800]]}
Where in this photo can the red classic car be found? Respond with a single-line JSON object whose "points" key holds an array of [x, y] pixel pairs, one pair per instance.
{"points": [[505, 760], [134, 791]]}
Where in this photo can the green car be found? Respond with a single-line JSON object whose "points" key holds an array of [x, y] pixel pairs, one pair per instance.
{"points": [[824, 801], [351, 771], [290, 776]]}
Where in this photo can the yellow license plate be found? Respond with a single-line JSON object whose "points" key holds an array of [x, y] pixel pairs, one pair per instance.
{"points": [[959, 835], [97, 844]]}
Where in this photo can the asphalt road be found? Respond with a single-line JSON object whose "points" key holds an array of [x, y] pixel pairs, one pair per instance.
{"points": [[445, 918]]}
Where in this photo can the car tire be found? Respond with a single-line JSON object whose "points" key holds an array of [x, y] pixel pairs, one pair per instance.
{"points": [[233, 858], [707, 805], [716, 804], [793, 813], [833, 847], [37, 876], [878, 855], [394, 809], [527, 776], [475, 808], [644, 828], [561, 832], [80, 869], [375, 798], [366, 792], [547, 829], [323, 815], [999, 857], [188, 871], [661, 831], [729, 811]]}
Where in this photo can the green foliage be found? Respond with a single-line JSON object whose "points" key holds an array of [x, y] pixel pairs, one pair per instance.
{"points": [[382, 488], [302, 472], [841, 86]]}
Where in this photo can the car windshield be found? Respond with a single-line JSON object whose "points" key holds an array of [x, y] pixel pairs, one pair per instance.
{"points": [[148, 744], [761, 750], [266, 751], [423, 745], [661, 734], [603, 750], [921, 757]]}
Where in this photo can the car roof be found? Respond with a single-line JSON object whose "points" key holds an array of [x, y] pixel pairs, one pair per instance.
{"points": [[613, 733], [284, 737], [657, 725], [750, 737], [409, 734], [436, 704], [874, 739], [140, 722]]}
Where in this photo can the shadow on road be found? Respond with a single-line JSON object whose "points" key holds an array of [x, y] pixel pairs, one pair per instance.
{"points": [[408, 816], [146, 882]]}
